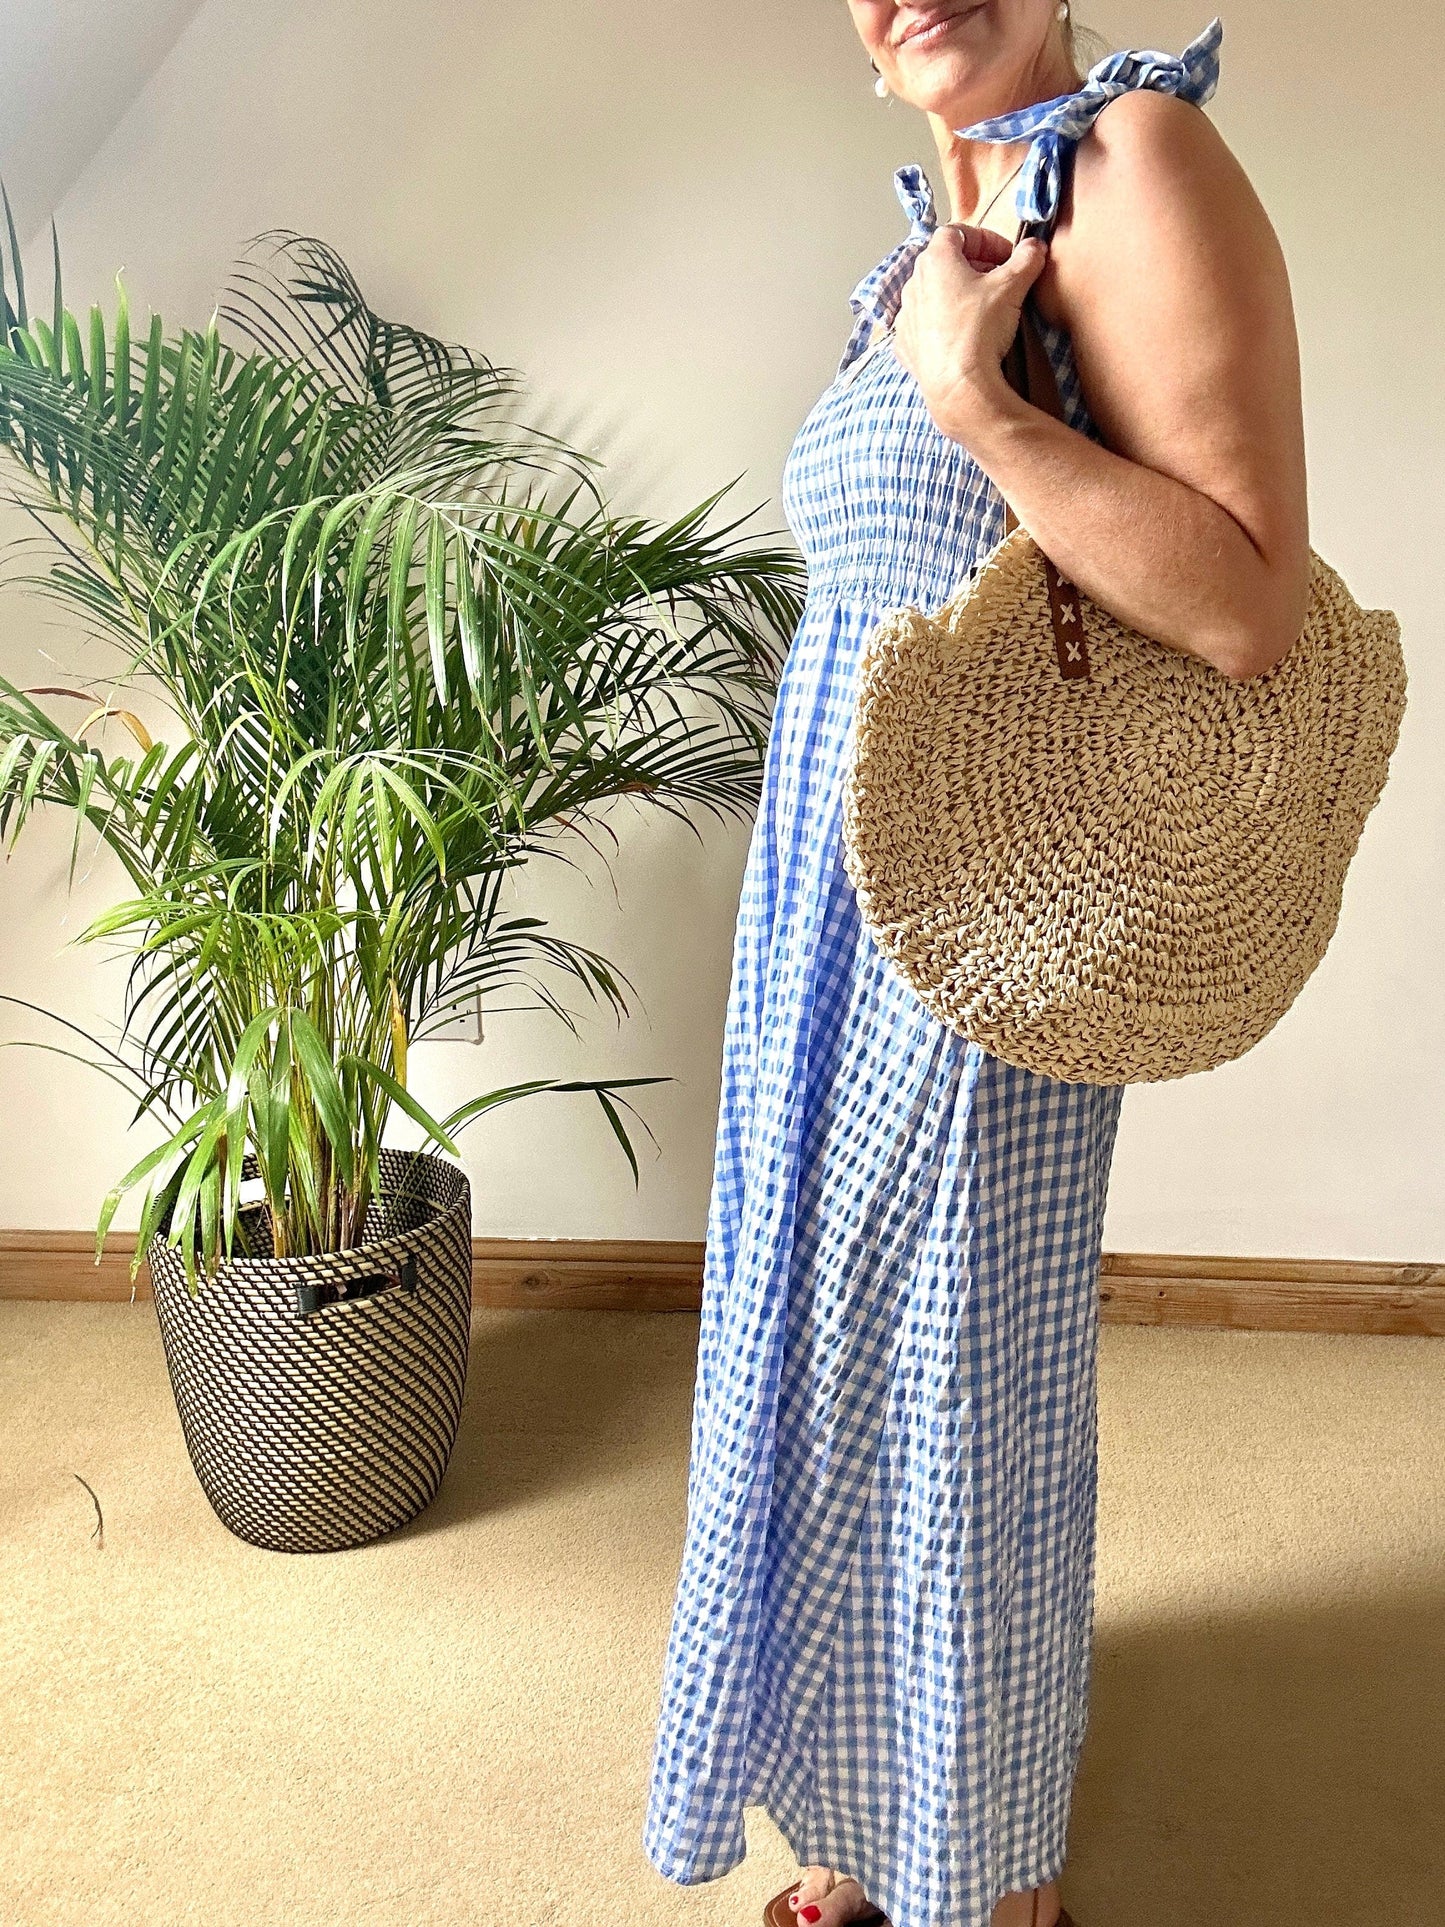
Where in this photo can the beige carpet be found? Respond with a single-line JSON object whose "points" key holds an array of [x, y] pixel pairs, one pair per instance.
{"points": [[453, 1726]]}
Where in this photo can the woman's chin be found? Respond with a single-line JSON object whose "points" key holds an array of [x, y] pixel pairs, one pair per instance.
{"points": [[953, 77], [957, 91]]}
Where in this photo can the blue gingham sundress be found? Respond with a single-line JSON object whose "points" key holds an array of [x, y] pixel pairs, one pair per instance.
{"points": [[883, 1624]]}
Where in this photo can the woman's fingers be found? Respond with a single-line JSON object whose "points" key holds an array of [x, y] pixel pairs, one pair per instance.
{"points": [[1024, 266], [956, 317], [981, 246]]}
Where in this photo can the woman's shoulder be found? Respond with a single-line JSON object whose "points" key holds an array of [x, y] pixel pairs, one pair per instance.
{"points": [[1147, 148], [1153, 160], [1153, 179]]}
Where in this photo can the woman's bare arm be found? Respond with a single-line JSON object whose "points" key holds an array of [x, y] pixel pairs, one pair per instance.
{"points": [[1191, 524]]}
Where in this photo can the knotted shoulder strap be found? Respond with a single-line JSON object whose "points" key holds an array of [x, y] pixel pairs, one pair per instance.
{"points": [[1054, 128]]}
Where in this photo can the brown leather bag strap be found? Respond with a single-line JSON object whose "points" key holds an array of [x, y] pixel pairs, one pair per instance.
{"points": [[1030, 373]]}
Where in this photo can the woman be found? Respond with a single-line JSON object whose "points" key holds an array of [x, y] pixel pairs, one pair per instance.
{"points": [[883, 1621]]}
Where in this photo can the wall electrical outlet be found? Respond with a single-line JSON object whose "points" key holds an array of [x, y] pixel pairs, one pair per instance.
{"points": [[464, 1026]]}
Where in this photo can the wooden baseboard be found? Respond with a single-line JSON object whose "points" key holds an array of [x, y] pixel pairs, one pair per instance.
{"points": [[588, 1274], [61, 1265], [1273, 1294], [605, 1274]]}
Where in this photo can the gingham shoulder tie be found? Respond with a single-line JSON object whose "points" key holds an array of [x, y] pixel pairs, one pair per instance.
{"points": [[1058, 125], [875, 299]]}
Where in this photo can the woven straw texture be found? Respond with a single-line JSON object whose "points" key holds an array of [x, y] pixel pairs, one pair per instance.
{"points": [[1118, 879], [311, 1434]]}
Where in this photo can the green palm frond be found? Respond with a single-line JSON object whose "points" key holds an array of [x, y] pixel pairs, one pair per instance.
{"points": [[404, 646]]}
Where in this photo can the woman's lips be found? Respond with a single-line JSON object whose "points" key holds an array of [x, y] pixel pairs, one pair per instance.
{"points": [[933, 29]]}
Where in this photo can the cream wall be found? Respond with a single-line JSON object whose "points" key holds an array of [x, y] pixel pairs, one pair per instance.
{"points": [[658, 211], [70, 70]]}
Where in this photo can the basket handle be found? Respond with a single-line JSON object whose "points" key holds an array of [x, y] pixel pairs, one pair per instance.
{"points": [[313, 1298], [1030, 373]]}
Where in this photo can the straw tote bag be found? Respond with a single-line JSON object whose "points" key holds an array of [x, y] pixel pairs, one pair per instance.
{"points": [[1094, 856]]}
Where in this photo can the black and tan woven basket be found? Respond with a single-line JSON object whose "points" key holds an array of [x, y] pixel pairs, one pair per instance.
{"points": [[320, 1397]]}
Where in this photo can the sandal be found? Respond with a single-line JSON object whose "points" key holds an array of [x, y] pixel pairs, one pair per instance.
{"points": [[778, 1913]]}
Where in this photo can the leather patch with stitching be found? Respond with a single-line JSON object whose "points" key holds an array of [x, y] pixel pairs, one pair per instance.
{"points": [[1071, 645]]}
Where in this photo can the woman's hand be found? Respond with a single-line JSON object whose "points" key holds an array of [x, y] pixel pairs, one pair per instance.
{"points": [[958, 315]]}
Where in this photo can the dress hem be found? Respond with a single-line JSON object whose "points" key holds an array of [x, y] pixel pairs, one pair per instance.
{"points": [[1046, 1865]]}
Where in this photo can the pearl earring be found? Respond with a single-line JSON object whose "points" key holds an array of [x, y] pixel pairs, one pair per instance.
{"points": [[880, 85], [1063, 9]]}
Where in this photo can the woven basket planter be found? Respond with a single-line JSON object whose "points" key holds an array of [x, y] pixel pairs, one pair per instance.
{"points": [[320, 1397]]}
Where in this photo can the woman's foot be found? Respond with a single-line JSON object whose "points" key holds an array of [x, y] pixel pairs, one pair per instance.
{"points": [[826, 1899], [1029, 1907]]}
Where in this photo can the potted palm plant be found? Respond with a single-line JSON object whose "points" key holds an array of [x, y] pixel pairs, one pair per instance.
{"points": [[403, 645]]}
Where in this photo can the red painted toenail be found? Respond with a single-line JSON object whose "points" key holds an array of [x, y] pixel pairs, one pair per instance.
{"points": [[811, 1913]]}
